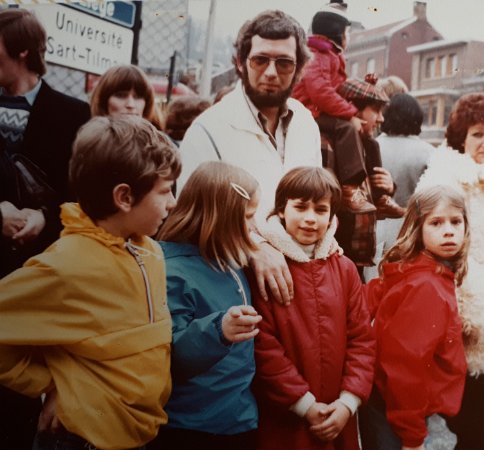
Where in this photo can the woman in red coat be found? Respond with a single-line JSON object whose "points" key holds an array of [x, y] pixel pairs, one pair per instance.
{"points": [[315, 357]]}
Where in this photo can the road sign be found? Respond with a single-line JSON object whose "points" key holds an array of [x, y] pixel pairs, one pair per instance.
{"points": [[82, 41], [119, 12]]}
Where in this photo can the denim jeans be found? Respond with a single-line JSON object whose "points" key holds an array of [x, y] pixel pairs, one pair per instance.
{"points": [[375, 431], [64, 440]]}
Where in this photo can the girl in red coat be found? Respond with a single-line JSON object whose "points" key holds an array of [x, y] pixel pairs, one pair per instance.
{"points": [[420, 368], [315, 357]]}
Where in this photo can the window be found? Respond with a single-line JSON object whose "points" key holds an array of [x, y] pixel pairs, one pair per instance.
{"points": [[429, 109], [442, 69], [370, 65], [430, 68], [354, 70], [454, 63]]}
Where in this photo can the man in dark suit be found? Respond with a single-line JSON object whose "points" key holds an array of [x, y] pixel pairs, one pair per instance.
{"points": [[37, 122], [40, 124]]}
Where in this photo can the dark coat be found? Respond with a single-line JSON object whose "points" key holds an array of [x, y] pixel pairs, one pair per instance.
{"points": [[53, 123]]}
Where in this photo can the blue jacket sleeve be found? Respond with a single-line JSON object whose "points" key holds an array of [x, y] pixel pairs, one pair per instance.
{"points": [[198, 343]]}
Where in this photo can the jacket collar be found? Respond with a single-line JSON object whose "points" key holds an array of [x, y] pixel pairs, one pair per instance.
{"points": [[323, 44], [243, 113], [276, 235], [76, 221], [174, 249], [394, 272]]}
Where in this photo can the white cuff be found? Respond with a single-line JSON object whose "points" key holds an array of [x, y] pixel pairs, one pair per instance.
{"points": [[351, 401], [303, 404]]}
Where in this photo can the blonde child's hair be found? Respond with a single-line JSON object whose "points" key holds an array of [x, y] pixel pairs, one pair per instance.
{"points": [[210, 213], [410, 241]]}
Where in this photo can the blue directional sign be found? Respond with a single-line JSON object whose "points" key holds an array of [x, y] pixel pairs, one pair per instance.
{"points": [[119, 12]]}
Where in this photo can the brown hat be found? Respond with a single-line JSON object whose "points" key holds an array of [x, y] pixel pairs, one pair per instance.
{"points": [[363, 91]]}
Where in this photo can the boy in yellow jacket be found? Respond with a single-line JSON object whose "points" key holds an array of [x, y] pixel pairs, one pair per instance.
{"points": [[86, 322]]}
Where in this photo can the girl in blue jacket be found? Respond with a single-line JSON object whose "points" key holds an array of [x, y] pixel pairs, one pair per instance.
{"points": [[206, 244]]}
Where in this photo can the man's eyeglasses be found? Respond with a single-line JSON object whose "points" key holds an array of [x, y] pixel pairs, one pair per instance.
{"points": [[284, 66]]}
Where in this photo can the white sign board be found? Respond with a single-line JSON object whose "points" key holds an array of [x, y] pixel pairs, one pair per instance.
{"points": [[82, 41]]}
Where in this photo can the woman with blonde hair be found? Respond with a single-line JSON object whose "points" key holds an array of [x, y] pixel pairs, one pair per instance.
{"points": [[125, 89]]}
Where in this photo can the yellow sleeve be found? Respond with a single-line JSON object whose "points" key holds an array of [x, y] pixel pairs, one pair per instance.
{"points": [[30, 299], [22, 370]]}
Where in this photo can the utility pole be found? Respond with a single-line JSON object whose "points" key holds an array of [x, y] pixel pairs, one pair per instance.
{"points": [[206, 78]]}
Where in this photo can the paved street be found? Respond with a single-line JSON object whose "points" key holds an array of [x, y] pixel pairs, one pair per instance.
{"points": [[441, 437]]}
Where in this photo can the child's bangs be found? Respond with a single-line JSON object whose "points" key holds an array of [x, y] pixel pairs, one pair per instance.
{"points": [[311, 188]]}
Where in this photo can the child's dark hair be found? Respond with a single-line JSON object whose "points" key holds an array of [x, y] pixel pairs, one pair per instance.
{"points": [[410, 241], [307, 183], [109, 151]]}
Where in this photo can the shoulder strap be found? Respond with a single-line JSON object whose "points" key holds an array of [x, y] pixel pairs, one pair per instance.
{"points": [[211, 139]]}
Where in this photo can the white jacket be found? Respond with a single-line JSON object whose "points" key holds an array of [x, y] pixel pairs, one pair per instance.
{"points": [[241, 141], [458, 170]]}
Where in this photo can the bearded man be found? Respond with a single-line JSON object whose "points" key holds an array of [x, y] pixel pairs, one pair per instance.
{"points": [[259, 128]]}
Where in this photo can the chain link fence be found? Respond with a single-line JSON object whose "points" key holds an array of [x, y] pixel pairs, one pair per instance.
{"points": [[164, 31]]}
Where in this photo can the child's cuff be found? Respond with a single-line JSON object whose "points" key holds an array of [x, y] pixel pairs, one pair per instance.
{"points": [[303, 404], [351, 401]]}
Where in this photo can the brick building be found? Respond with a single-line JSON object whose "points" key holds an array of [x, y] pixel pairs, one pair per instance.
{"points": [[383, 50], [441, 72]]}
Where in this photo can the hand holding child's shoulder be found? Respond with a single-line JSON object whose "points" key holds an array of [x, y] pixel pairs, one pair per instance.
{"points": [[270, 267], [240, 323]]}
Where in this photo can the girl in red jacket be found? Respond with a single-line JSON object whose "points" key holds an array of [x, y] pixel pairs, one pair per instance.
{"points": [[315, 357], [420, 368]]}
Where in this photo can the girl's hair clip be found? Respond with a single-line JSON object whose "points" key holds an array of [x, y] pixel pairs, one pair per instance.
{"points": [[240, 190]]}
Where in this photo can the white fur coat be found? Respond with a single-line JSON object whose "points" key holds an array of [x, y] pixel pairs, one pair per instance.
{"points": [[449, 167]]}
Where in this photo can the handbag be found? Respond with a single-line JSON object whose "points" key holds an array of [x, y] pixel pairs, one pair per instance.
{"points": [[32, 188]]}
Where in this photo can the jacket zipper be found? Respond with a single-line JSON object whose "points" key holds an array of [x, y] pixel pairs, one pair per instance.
{"points": [[141, 265], [241, 286]]}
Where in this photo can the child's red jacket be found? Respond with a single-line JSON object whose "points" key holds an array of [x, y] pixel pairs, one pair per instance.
{"points": [[321, 77], [421, 366], [322, 342]]}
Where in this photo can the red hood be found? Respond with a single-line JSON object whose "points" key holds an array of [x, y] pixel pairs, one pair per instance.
{"points": [[322, 43], [394, 272]]}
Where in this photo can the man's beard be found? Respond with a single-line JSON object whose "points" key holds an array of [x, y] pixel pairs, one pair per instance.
{"points": [[266, 99]]}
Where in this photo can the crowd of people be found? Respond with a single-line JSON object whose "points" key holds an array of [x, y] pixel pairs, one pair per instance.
{"points": [[243, 314]]}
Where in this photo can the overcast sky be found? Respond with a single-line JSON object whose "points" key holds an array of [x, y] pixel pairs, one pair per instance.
{"points": [[454, 19]]}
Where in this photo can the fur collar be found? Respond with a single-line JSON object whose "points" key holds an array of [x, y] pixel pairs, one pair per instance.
{"points": [[458, 166], [277, 236]]}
